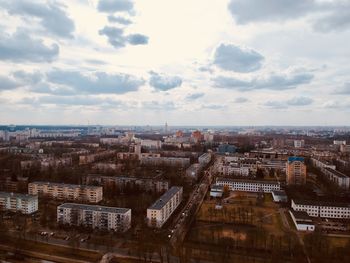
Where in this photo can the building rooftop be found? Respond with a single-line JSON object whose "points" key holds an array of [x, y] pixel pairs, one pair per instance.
{"points": [[279, 193], [295, 159], [320, 203], [165, 198], [67, 185], [335, 172], [17, 195], [247, 181], [99, 208]]}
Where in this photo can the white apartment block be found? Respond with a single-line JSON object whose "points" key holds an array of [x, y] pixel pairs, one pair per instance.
{"points": [[24, 203], [94, 216], [92, 194], [161, 210], [336, 177], [248, 185], [152, 144], [204, 159], [322, 209]]}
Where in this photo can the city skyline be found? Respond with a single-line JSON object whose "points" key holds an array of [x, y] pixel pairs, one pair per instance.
{"points": [[206, 63]]}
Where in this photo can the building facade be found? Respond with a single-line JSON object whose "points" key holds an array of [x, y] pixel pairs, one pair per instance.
{"points": [[296, 171], [94, 216], [248, 185], [322, 209], [14, 202], [92, 194], [161, 210]]}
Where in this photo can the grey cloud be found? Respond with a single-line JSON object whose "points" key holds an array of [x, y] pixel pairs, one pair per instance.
{"points": [[114, 6], [97, 83], [233, 58], [345, 90], [161, 106], [240, 100], [246, 11], [195, 96], [283, 104], [137, 39], [335, 21], [7, 83], [214, 106], [52, 15], [300, 101], [119, 20], [70, 101], [117, 38], [164, 83], [272, 82], [28, 77], [20, 47]]}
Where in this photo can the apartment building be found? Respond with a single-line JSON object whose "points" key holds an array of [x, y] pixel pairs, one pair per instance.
{"points": [[322, 209], [248, 185], [121, 182], [204, 159], [161, 210], [94, 216], [296, 171], [151, 144], [336, 177], [167, 161], [92, 194], [14, 202]]}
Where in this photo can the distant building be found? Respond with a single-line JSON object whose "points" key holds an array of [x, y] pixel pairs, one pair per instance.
{"points": [[179, 134], [193, 171], [121, 182], [14, 202], [226, 148], [161, 210], [338, 142], [10, 184], [216, 190], [299, 143], [94, 216], [204, 159], [322, 209], [296, 171], [279, 196], [248, 185], [196, 136], [302, 220], [92, 194], [166, 161], [337, 178], [151, 144]]}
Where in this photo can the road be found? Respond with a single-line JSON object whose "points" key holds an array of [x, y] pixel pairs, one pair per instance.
{"points": [[188, 213]]}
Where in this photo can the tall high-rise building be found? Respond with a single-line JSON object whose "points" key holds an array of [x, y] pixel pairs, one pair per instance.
{"points": [[296, 171], [166, 128]]}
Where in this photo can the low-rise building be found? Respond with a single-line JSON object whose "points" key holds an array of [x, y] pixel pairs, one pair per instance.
{"points": [[248, 185], [302, 221], [94, 216], [204, 159], [161, 210], [166, 161], [322, 209], [24, 203], [92, 194], [121, 182], [279, 196], [216, 190]]}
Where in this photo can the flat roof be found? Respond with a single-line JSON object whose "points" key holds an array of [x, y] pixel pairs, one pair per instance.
{"points": [[295, 159], [18, 195], [300, 215], [320, 203], [279, 193], [247, 181], [161, 202], [66, 185], [107, 209], [337, 173]]}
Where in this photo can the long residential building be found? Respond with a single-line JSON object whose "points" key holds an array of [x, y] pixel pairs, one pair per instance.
{"points": [[249, 185], [322, 209], [167, 161], [161, 210], [121, 182], [336, 177], [92, 194], [14, 202], [94, 216]]}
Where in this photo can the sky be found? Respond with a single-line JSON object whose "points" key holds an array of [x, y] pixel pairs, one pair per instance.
{"points": [[184, 62]]}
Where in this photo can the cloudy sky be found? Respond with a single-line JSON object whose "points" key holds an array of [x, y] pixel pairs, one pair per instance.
{"points": [[187, 62]]}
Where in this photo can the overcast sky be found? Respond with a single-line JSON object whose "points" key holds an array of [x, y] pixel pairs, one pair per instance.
{"points": [[187, 62]]}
